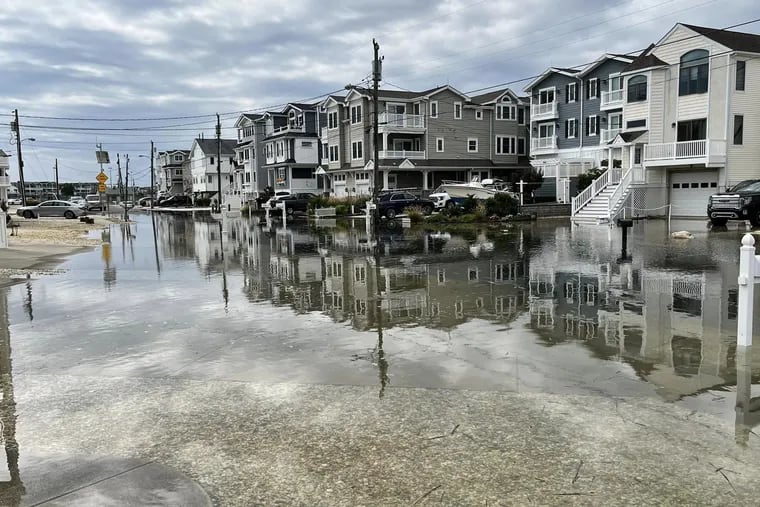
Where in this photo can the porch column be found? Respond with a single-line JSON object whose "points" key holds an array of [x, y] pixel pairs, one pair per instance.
{"points": [[425, 180], [609, 158], [385, 180], [384, 147]]}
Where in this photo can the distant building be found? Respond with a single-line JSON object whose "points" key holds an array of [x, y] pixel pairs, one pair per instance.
{"points": [[170, 171], [203, 165]]}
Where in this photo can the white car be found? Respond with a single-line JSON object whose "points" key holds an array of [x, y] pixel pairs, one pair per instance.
{"points": [[270, 204], [14, 201], [439, 199], [79, 201]]}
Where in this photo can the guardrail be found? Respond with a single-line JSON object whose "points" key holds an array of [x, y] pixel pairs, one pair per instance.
{"points": [[613, 199], [580, 200]]}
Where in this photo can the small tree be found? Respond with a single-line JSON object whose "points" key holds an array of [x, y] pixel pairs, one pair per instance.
{"points": [[501, 205], [532, 179], [67, 189]]}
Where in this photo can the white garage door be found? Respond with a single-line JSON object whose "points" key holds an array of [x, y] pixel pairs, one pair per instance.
{"points": [[689, 192]]}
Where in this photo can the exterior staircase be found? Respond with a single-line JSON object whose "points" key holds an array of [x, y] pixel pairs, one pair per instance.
{"points": [[601, 201]]}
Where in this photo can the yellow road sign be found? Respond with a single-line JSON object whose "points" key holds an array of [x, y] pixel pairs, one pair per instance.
{"points": [[101, 177], [101, 187]]}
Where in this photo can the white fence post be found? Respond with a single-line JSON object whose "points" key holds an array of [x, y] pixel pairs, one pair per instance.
{"points": [[747, 269]]}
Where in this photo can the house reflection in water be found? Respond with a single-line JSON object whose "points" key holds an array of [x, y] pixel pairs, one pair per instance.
{"points": [[11, 487], [674, 327]]}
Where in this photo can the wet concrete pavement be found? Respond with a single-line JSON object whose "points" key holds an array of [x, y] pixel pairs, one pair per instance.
{"points": [[516, 366]]}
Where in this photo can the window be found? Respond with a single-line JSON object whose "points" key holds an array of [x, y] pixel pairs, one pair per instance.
{"points": [[615, 121], [303, 173], [692, 130], [637, 150], [637, 89], [178, 158], [571, 128], [693, 76], [472, 144], [356, 150], [211, 160], [741, 70], [592, 88], [738, 129], [441, 276], [232, 160], [325, 150], [333, 153], [332, 120], [472, 274], [592, 125], [635, 124], [478, 114], [505, 112], [506, 145], [570, 92], [457, 110], [356, 114], [439, 144], [434, 109], [521, 146], [178, 172], [521, 115], [209, 178]]}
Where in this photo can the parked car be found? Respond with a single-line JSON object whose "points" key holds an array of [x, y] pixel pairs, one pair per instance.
{"points": [[277, 195], [14, 199], [391, 204], [740, 202], [144, 202], [79, 201], [295, 202], [177, 201], [64, 209], [93, 202]]}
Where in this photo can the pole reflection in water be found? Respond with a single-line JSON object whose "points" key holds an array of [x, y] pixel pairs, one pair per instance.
{"points": [[382, 363], [109, 272], [11, 487], [225, 292], [28, 299], [155, 243], [747, 407]]}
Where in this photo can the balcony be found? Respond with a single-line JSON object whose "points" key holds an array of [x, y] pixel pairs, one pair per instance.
{"points": [[401, 154], [400, 121], [710, 152], [5, 181], [612, 100], [543, 144], [291, 127], [609, 134], [545, 111]]}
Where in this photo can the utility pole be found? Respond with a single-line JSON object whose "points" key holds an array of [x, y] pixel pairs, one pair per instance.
{"points": [[15, 127], [219, 163], [126, 189], [57, 187], [376, 76], [120, 183], [152, 181]]}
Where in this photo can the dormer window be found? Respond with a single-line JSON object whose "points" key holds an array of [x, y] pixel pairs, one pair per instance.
{"points": [[694, 73]]}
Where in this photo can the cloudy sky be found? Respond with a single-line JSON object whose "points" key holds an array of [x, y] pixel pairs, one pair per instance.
{"points": [[100, 60]]}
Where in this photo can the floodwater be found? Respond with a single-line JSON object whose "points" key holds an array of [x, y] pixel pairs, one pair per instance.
{"points": [[528, 307]]}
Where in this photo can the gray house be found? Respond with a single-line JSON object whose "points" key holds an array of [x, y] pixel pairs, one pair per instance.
{"points": [[250, 155], [424, 138], [575, 113]]}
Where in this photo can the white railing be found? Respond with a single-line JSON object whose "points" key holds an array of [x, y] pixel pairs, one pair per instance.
{"points": [[291, 127], [675, 151], [610, 134], [542, 111], [624, 181], [5, 181], [401, 120], [613, 98], [401, 154], [543, 143], [596, 186]]}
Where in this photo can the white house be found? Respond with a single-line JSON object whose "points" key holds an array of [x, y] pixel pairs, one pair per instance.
{"points": [[203, 166], [690, 125]]}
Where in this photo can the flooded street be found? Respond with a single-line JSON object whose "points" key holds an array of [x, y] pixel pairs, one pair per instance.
{"points": [[273, 363]]}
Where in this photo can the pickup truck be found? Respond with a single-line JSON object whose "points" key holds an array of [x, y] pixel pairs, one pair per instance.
{"points": [[740, 202]]}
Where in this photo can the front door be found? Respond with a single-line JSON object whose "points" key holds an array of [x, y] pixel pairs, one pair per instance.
{"points": [[391, 180]]}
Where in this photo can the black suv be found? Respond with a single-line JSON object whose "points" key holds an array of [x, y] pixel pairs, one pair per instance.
{"points": [[294, 202], [391, 204], [176, 201], [740, 202]]}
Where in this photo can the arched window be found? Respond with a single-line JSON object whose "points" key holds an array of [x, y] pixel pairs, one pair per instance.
{"points": [[694, 73], [637, 89]]}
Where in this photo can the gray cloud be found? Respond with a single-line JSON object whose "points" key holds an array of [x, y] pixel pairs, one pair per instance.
{"points": [[146, 58]]}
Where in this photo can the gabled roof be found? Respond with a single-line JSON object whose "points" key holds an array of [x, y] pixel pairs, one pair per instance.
{"points": [[436, 91], [550, 71], [209, 147], [605, 58], [494, 96], [645, 61], [738, 41], [185, 152], [249, 117], [301, 106], [337, 99]]}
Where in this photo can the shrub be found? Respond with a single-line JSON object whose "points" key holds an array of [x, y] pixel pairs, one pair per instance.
{"points": [[203, 202], [585, 179], [415, 213], [469, 203], [323, 201], [501, 205], [341, 209]]}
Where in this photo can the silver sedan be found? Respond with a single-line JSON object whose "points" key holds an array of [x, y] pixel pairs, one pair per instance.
{"points": [[51, 209]]}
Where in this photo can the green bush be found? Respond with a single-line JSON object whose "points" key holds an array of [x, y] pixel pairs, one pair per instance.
{"points": [[585, 179], [501, 205], [341, 209], [469, 203], [322, 201]]}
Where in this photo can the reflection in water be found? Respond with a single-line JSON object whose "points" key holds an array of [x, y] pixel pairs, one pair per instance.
{"points": [[109, 272], [11, 487], [28, 299], [155, 243], [747, 407]]}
